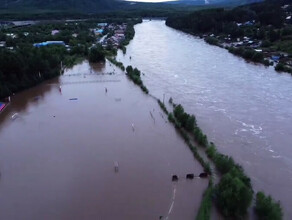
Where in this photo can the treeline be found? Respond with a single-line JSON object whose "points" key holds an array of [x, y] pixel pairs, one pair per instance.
{"points": [[129, 33], [261, 25], [23, 66], [96, 54], [117, 63], [280, 67], [218, 21], [28, 66], [135, 76], [249, 54]]}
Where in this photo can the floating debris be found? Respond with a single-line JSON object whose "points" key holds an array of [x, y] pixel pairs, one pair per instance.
{"points": [[36, 98], [190, 176], [73, 99], [152, 117], [116, 165], [14, 116], [174, 178], [203, 175], [2, 106]]}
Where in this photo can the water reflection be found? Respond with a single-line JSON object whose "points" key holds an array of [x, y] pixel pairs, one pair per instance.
{"points": [[26, 100]]}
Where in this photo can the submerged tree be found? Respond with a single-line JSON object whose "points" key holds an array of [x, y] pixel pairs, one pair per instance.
{"points": [[96, 54], [233, 196]]}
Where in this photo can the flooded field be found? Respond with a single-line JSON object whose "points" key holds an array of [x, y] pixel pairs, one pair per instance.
{"points": [[60, 149]]}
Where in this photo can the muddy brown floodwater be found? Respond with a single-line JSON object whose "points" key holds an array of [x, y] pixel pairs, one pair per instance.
{"points": [[246, 109], [58, 156]]}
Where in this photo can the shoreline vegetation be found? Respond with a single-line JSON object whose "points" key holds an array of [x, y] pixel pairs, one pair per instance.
{"points": [[259, 32], [233, 194]]}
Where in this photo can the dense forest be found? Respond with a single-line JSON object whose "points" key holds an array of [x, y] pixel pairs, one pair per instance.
{"points": [[22, 65]]}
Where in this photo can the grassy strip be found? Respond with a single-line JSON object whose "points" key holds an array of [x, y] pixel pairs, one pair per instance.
{"points": [[280, 67], [162, 106], [129, 34], [206, 204], [204, 212], [186, 138], [135, 76], [249, 54]]}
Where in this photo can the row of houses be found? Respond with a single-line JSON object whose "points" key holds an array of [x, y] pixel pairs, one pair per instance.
{"points": [[110, 34], [118, 34]]}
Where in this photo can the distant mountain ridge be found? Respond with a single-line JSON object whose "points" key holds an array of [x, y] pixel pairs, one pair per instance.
{"points": [[93, 6], [60, 5], [216, 2]]}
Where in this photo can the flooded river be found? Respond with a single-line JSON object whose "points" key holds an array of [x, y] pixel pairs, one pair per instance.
{"points": [[246, 109], [59, 151]]}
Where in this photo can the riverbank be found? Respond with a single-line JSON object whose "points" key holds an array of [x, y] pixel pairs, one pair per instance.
{"points": [[261, 34]]}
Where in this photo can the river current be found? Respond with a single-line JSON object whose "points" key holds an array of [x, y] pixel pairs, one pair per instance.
{"points": [[244, 108]]}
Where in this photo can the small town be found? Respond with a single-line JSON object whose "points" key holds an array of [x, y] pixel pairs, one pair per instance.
{"points": [[109, 35]]}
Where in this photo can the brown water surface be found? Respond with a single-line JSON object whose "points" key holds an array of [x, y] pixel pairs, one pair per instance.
{"points": [[57, 156]]}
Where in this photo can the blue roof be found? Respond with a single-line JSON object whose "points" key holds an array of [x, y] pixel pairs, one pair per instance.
{"points": [[275, 58], [46, 43], [99, 31]]}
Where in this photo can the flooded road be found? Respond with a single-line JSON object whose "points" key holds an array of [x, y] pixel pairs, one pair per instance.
{"points": [[58, 154], [246, 109]]}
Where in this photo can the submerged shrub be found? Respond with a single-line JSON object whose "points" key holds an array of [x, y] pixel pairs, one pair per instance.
{"points": [[233, 197], [266, 208]]}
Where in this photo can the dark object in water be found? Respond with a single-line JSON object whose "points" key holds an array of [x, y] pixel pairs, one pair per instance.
{"points": [[73, 99], [190, 176], [203, 175], [36, 98], [116, 167], [174, 178]]}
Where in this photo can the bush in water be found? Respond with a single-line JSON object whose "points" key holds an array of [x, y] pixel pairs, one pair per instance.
{"points": [[96, 54], [266, 208], [135, 76], [233, 197]]}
